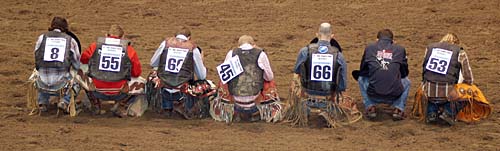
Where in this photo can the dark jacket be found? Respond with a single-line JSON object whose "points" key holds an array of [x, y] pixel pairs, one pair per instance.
{"points": [[385, 80]]}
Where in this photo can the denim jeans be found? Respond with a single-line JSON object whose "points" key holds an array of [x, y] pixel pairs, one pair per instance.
{"points": [[43, 97], [447, 106], [169, 98], [250, 110], [316, 104], [399, 103]]}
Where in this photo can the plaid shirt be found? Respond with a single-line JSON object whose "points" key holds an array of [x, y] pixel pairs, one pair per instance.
{"points": [[53, 79], [465, 71]]}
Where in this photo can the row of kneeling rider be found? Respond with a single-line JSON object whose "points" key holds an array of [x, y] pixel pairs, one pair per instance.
{"points": [[108, 72]]}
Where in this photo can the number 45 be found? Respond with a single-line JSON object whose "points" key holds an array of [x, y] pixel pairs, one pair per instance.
{"points": [[226, 72]]}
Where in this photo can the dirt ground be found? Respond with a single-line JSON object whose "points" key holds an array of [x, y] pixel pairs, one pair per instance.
{"points": [[282, 27]]}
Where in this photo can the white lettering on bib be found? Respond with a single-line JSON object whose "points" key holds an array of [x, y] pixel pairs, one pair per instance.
{"points": [[111, 58], [322, 67], [439, 61], [229, 69], [55, 49], [175, 59]]}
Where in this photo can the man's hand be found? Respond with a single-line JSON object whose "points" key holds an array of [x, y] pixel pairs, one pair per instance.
{"points": [[157, 81], [153, 76]]}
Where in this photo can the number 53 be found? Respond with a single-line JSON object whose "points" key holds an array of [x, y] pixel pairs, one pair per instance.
{"points": [[433, 64]]}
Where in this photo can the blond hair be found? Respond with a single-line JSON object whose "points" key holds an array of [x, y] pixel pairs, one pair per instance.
{"points": [[183, 30], [246, 39], [116, 30], [450, 38]]}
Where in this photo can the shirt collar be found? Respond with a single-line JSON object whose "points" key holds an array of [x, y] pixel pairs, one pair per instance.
{"points": [[182, 37], [323, 43], [115, 37], [385, 40], [246, 46]]}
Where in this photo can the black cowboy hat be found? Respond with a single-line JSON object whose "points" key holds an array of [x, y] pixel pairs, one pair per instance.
{"points": [[355, 74]]}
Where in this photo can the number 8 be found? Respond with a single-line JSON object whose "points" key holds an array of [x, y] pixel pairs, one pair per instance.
{"points": [[54, 51]]}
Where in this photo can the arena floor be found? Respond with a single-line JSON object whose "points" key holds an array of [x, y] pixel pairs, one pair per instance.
{"points": [[282, 27]]}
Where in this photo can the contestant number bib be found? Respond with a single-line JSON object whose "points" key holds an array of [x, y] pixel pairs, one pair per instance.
{"points": [[322, 67], [55, 49], [439, 61], [175, 59], [229, 69], [111, 58]]}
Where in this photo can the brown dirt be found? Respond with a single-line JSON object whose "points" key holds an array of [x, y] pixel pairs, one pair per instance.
{"points": [[282, 27]]}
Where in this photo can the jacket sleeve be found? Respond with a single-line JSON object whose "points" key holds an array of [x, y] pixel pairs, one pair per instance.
{"points": [[155, 60], [75, 50], [465, 71], [263, 62], [136, 64], [301, 58], [88, 53], [342, 85], [363, 67], [38, 42], [404, 65], [423, 64], [199, 67]]}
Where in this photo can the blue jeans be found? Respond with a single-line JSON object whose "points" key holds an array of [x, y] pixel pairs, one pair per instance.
{"points": [[399, 103], [250, 110], [447, 106], [43, 97], [169, 98], [318, 105]]}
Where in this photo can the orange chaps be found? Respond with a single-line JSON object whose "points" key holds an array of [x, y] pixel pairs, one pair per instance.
{"points": [[476, 106]]}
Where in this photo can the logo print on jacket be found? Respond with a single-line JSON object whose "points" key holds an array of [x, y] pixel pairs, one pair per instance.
{"points": [[323, 49], [384, 57]]}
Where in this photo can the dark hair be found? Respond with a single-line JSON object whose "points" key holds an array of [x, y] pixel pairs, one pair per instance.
{"points": [[183, 30], [384, 33], [59, 23]]}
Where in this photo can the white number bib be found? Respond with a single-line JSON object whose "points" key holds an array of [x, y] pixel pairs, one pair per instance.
{"points": [[175, 59], [439, 61], [55, 49], [111, 58], [322, 67], [229, 69]]}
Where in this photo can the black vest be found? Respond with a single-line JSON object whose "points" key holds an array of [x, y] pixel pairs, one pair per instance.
{"points": [[251, 81], [186, 72], [39, 53], [306, 67], [451, 76], [105, 62]]}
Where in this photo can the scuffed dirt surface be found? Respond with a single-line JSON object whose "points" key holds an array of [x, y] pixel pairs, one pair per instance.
{"points": [[282, 27]]}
